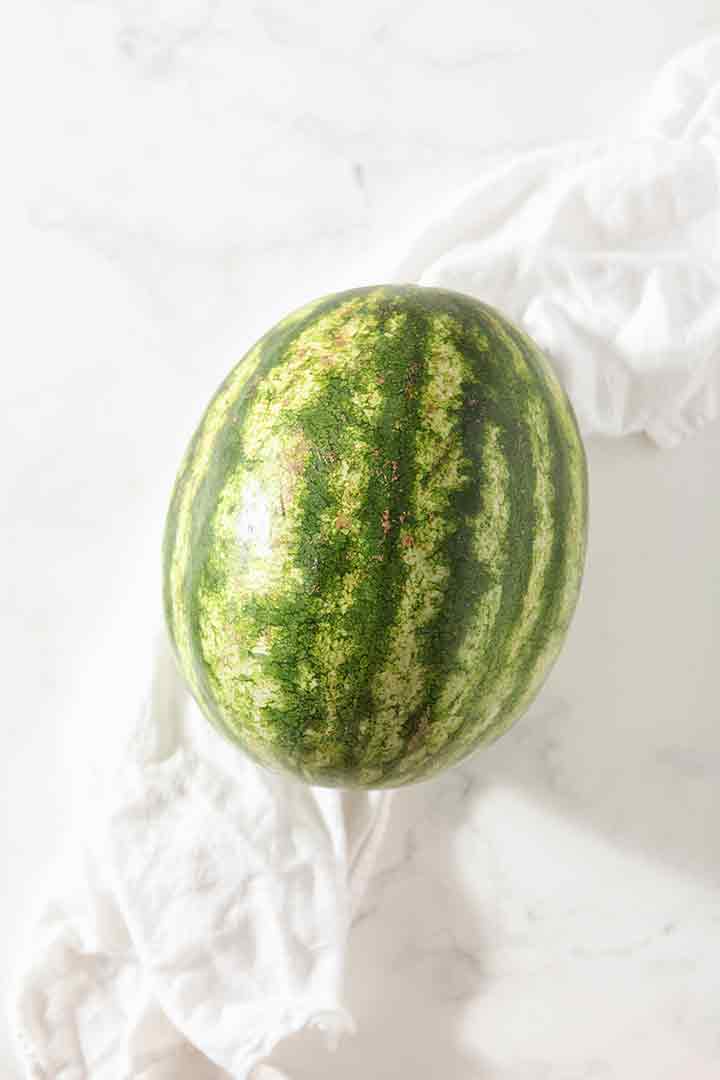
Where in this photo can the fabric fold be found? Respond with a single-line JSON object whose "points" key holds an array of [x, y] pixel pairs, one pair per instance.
{"points": [[209, 917], [605, 252]]}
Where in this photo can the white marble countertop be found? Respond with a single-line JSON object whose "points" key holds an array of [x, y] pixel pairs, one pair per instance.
{"points": [[184, 173]]}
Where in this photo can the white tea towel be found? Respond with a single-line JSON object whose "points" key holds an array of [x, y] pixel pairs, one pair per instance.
{"points": [[606, 252], [210, 907], [207, 917]]}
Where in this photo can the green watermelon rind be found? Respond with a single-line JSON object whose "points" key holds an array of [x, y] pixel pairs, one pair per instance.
{"points": [[376, 538]]}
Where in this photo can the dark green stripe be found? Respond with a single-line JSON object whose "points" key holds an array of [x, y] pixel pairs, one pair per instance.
{"points": [[329, 422], [491, 396], [403, 364], [557, 567]]}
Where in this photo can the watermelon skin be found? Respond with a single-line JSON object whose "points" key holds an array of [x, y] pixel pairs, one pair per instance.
{"points": [[376, 538]]}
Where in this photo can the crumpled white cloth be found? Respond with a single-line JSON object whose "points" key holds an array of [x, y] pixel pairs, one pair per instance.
{"points": [[208, 911], [207, 917], [606, 252]]}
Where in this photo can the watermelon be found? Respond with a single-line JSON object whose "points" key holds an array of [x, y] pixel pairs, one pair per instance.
{"points": [[376, 538]]}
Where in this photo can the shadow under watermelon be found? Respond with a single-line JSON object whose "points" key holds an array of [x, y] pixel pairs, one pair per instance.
{"points": [[580, 842]]}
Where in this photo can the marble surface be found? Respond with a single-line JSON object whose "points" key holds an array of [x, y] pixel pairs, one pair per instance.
{"points": [[181, 174]]}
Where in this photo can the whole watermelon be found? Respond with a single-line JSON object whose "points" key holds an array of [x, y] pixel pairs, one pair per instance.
{"points": [[376, 537]]}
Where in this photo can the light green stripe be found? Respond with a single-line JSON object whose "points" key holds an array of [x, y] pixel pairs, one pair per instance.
{"points": [[490, 538], [574, 522], [257, 560], [193, 473], [493, 707]]}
